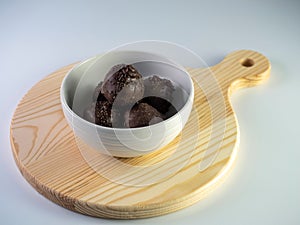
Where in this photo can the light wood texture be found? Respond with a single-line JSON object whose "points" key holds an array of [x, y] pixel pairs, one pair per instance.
{"points": [[48, 155]]}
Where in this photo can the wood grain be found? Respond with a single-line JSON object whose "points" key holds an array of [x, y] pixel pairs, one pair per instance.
{"points": [[48, 156]]}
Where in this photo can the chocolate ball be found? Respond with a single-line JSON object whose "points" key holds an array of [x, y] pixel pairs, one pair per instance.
{"points": [[161, 105], [103, 113], [89, 113], [158, 92], [124, 86], [114, 69], [107, 115], [98, 96], [142, 115], [171, 112]]}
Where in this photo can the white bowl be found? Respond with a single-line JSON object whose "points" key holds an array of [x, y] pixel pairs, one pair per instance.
{"points": [[78, 87]]}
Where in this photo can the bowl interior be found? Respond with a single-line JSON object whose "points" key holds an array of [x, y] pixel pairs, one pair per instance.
{"points": [[79, 85]]}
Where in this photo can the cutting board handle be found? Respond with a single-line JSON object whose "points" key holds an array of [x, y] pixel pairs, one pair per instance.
{"points": [[240, 69]]}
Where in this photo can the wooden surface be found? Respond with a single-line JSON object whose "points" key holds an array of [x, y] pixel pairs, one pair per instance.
{"points": [[52, 160]]}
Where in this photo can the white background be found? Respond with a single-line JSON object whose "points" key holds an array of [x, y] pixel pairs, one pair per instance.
{"points": [[38, 37]]}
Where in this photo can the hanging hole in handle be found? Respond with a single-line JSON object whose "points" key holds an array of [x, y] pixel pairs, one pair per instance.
{"points": [[247, 62]]}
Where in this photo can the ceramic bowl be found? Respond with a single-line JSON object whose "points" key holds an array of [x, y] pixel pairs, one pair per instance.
{"points": [[78, 87]]}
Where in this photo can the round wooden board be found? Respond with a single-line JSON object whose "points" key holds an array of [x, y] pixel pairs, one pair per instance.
{"points": [[50, 157]]}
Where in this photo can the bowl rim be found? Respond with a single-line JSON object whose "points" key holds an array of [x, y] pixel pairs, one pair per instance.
{"points": [[73, 114]]}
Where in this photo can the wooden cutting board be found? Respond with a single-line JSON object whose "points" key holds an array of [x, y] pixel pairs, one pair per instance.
{"points": [[180, 174]]}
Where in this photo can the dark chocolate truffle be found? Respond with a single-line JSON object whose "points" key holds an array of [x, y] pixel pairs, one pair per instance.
{"points": [[98, 96], [171, 112], [162, 105], [89, 113], [103, 113], [142, 115], [114, 69], [158, 92], [124, 86]]}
